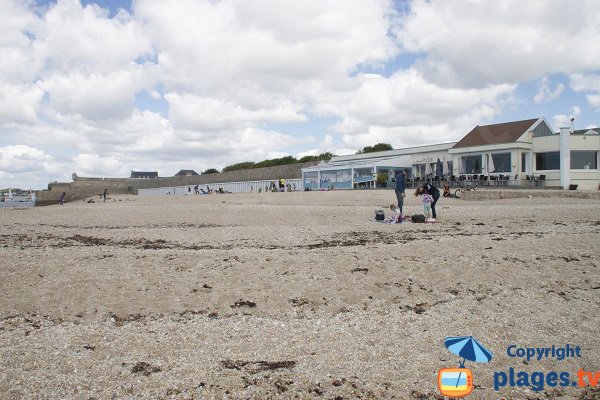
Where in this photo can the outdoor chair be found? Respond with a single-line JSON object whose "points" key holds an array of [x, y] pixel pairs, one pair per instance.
{"points": [[542, 180]]}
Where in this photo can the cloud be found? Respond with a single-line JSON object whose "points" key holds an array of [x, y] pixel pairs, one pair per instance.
{"points": [[594, 100], [86, 39], [98, 165], [406, 109], [562, 120], [189, 111], [475, 43], [226, 47], [24, 163], [545, 93], [19, 103], [587, 83], [95, 96]]}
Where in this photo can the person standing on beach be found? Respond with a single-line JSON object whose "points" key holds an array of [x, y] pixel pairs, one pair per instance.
{"points": [[105, 194], [61, 200], [433, 191], [401, 187]]}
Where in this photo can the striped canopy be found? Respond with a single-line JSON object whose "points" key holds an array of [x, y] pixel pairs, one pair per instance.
{"points": [[468, 348]]}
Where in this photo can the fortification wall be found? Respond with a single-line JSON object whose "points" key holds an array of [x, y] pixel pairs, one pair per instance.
{"points": [[82, 187], [74, 192]]}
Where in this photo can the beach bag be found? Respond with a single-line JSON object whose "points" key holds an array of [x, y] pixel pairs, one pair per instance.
{"points": [[418, 218], [379, 215]]}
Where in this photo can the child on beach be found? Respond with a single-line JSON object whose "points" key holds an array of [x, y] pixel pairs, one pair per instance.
{"points": [[427, 200], [396, 217]]}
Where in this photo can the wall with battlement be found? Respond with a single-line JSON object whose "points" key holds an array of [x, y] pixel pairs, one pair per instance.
{"points": [[83, 188]]}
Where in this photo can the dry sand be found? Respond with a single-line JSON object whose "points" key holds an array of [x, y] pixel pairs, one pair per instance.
{"points": [[290, 295]]}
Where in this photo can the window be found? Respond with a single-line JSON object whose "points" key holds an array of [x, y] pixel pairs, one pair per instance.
{"points": [[524, 162], [450, 170], [581, 159], [501, 162], [471, 164], [311, 180], [547, 161]]}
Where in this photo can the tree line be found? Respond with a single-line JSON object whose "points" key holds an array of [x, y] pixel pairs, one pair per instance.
{"points": [[292, 160]]}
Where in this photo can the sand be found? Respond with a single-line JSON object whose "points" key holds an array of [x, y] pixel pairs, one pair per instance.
{"points": [[291, 295]]}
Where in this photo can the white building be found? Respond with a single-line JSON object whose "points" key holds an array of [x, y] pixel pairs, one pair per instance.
{"points": [[514, 153]]}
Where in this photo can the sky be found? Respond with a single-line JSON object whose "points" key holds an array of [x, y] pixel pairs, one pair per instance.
{"points": [[104, 87]]}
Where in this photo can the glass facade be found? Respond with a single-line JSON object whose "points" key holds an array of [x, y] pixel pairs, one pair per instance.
{"points": [[471, 164], [311, 180], [582, 159], [501, 162], [547, 161], [336, 179], [363, 174]]}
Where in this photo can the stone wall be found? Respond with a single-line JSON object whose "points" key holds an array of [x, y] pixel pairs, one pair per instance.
{"points": [[82, 188], [497, 194]]}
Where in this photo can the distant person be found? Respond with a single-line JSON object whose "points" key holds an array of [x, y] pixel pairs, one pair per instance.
{"points": [[400, 188], [61, 199], [446, 192], [105, 194], [196, 190]]}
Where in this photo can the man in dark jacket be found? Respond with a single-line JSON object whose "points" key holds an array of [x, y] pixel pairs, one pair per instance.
{"points": [[435, 193], [400, 187]]}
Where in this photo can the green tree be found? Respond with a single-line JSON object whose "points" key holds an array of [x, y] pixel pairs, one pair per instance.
{"points": [[374, 148], [239, 166], [211, 171], [276, 161], [325, 156]]}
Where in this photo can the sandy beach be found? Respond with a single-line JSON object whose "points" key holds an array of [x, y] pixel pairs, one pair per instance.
{"points": [[291, 295]]}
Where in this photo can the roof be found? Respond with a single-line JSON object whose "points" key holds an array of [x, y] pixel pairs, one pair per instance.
{"points": [[144, 174], [186, 172], [591, 131], [508, 132]]}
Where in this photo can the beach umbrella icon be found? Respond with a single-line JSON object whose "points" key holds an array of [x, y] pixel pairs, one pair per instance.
{"points": [[469, 349]]}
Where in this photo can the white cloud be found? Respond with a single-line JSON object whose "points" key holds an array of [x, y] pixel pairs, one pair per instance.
{"points": [[95, 96], [19, 103], [97, 165], [405, 109], [222, 49], [588, 83], [85, 38], [585, 82], [476, 43], [563, 120], [189, 111], [545, 93], [23, 163], [594, 100]]}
